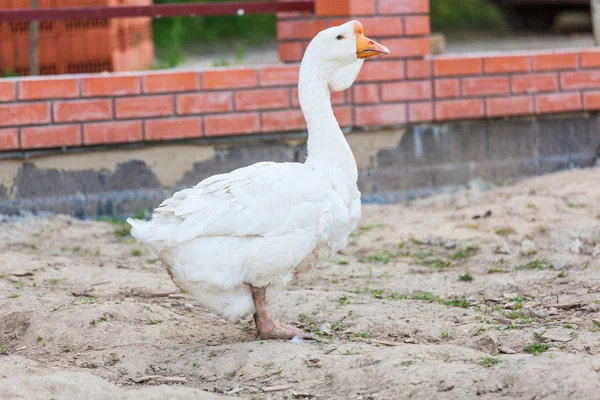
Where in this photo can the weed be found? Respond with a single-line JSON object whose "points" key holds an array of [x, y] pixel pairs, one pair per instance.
{"points": [[343, 300], [425, 296], [19, 284], [2, 276], [396, 296], [414, 240], [34, 284], [136, 252], [512, 314], [536, 348], [541, 229], [465, 253], [562, 274], [495, 270], [366, 228], [340, 262], [460, 303], [466, 277], [221, 63], [598, 216], [445, 335], [505, 231], [154, 321], [532, 206], [576, 205], [364, 335], [212, 353], [540, 265], [402, 245], [510, 328], [567, 326], [488, 361], [14, 296], [479, 331], [348, 353]]}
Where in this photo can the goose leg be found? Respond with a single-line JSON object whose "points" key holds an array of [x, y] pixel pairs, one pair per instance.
{"points": [[268, 328]]}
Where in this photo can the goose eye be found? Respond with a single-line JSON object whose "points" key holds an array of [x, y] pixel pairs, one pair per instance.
{"points": [[339, 37]]}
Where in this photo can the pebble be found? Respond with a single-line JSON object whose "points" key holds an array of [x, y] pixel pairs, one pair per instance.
{"points": [[507, 350], [487, 343], [297, 340], [450, 244], [528, 246], [575, 246], [502, 249], [188, 306], [556, 337], [540, 313], [326, 327]]}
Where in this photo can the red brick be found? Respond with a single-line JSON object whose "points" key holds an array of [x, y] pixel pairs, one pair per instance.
{"points": [[580, 80], [173, 82], [410, 90], [7, 91], [343, 115], [229, 79], [290, 51], [446, 88], [381, 114], [590, 59], [82, 110], [591, 100], [484, 86], [418, 68], [365, 94], [457, 66], [9, 139], [262, 99], [230, 124], [303, 29], [382, 26], [24, 114], [458, 109], [144, 106], [558, 102], [279, 76], [408, 47], [199, 103], [379, 71], [112, 132], [338, 97], [418, 25], [173, 128], [110, 86], [403, 6], [50, 136], [506, 106], [495, 65], [329, 8], [48, 89], [534, 83], [420, 112], [553, 62], [288, 120]]}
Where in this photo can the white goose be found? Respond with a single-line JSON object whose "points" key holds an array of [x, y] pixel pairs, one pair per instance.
{"points": [[228, 238]]}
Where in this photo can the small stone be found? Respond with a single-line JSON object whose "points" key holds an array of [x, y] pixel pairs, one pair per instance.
{"points": [[507, 350], [444, 386], [410, 340], [436, 242], [487, 343], [553, 350], [425, 241], [326, 328], [450, 244], [556, 337], [560, 265], [575, 246], [528, 247], [540, 313], [188, 306], [502, 249]]}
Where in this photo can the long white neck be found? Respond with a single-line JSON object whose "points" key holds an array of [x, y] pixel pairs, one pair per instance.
{"points": [[328, 150]]}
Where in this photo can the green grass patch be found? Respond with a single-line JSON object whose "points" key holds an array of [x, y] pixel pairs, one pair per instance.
{"points": [[465, 253], [505, 231], [536, 348], [495, 270], [466, 277], [488, 361], [537, 264]]}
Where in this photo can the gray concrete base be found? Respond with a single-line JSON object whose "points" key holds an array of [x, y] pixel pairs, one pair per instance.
{"points": [[395, 164]]}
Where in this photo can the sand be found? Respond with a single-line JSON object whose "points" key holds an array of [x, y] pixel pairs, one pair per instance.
{"points": [[427, 302]]}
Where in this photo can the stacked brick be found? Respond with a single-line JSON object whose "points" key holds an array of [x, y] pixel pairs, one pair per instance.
{"points": [[408, 87], [77, 46]]}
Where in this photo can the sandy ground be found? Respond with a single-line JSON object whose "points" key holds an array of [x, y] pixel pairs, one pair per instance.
{"points": [[87, 314]]}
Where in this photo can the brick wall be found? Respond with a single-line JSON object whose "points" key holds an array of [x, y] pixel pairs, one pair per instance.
{"points": [[407, 87]]}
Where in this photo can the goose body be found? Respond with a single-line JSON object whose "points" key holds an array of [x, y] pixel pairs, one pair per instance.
{"points": [[232, 235]]}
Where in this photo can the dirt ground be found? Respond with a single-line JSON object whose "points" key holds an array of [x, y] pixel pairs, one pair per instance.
{"points": [[484, 294]]}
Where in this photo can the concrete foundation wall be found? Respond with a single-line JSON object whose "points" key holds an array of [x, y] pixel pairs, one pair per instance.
{"points": [[395, 164]]}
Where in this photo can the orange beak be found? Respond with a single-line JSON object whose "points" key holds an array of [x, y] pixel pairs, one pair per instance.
{"points": [[366, 47]]}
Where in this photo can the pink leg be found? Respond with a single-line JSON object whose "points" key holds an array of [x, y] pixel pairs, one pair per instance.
{"points": [[268, 328]]}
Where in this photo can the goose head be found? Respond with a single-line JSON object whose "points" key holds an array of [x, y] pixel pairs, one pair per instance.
{"points": [[337, 54]]}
